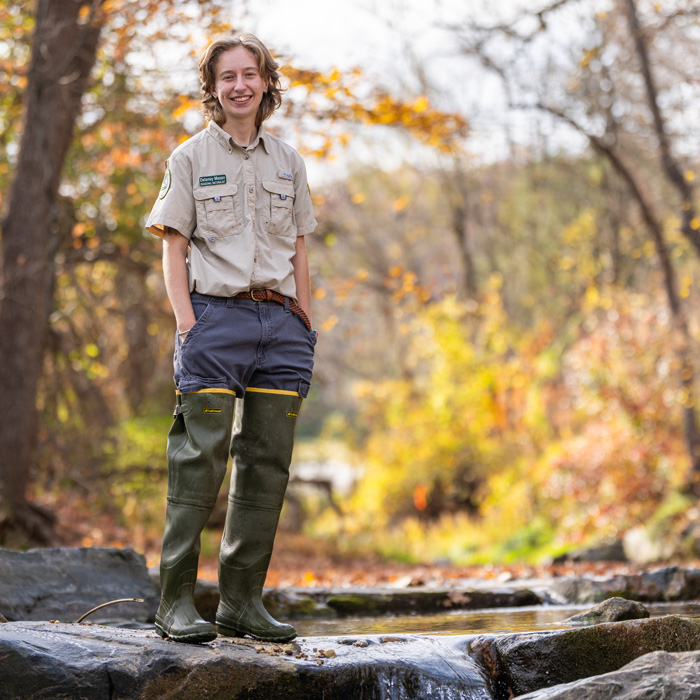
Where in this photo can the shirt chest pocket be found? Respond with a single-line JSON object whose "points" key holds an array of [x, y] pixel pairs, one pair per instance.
{"points": [[218, 212], [281, 211]]}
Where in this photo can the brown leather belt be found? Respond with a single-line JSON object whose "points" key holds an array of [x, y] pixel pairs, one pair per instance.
{"points": [[269, 295]]}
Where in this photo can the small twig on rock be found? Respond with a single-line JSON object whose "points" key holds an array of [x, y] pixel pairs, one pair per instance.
{"points": [[111, 602]]}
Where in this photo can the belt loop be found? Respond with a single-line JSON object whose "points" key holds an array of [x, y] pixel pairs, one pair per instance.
{"points": [[286, 303], [229, 303]]}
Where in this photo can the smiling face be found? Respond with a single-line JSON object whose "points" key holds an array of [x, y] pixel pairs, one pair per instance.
{"points": [[239, 86]]}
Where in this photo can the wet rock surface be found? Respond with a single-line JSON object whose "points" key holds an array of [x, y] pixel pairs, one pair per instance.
{"points": [[64, 583], [49, 659], [651, 677], [40, 659], [519, 664], [611, 610]]}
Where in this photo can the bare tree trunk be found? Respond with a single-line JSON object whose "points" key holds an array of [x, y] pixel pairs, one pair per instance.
{"points": [[457, 192], [460, 228], [674, 174], [63, 54]]}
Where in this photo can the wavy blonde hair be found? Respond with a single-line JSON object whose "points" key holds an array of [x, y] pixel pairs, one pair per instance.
{"points": [[267, 66]]}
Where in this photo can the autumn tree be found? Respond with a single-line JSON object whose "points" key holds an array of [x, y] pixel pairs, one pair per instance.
{"points": [[607, 89], [63, 53]]}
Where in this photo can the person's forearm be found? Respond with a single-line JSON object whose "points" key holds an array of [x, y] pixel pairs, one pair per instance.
{"points": [[300, 263], [176, 283]]}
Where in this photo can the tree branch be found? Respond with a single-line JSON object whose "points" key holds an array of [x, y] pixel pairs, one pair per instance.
{"points": [[669, 163]]}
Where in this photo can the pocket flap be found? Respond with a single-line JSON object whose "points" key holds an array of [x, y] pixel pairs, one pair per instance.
{"points": [[280, 188], [214, 191]]}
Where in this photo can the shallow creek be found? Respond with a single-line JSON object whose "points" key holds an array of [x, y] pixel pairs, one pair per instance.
{"points": [[497, 620]]}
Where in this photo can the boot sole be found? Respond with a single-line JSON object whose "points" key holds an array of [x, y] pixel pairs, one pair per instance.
{"points": [[192, 638], [232, 632]]}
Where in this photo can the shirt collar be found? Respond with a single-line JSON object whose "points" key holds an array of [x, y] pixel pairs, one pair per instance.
{"points": [[227, 141]]}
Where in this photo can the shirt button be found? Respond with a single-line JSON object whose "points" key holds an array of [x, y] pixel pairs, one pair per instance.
{"points": [[211, 238], [246, 157], [250, 189]]}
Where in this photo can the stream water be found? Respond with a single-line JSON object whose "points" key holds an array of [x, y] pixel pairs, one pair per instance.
{"points": [[524, 619], [434, 664]]}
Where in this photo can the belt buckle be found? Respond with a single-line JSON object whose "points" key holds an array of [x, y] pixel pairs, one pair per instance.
{"points": [[265, 293]]}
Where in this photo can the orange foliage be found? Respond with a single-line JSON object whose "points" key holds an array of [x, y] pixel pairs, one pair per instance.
{"points": [[336, 97]]}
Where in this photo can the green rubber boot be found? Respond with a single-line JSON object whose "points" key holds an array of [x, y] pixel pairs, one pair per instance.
{"points": [[262, 452], [198, 445]]}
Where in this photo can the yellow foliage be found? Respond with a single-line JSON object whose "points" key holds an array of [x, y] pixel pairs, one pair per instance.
{"points": [[440, 436], [588, 56], [421, 104], [401, 203]]}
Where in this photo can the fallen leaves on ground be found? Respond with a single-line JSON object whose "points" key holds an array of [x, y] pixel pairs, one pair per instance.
{"points": [[301, 561]]}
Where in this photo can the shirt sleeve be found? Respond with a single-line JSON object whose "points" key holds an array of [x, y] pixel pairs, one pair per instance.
{"points": [[303, 207], [175, 206]]}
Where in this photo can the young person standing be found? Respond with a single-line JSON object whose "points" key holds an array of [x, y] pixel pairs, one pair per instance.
{"points": [[233, 210]]}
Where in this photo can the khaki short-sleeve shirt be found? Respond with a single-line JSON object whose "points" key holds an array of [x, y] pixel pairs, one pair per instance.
{"points": [[241, 209]]}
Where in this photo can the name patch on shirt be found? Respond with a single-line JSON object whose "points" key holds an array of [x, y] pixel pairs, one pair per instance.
{"points": [[212, 180], [285, 175]]}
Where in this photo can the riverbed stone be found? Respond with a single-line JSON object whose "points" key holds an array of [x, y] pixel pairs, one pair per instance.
{"points": [[610, 610], [294, 602], [605, 551], [668, 584], [40, 659], [520, 664], [378, 601], [659, 674], [64, 583]]}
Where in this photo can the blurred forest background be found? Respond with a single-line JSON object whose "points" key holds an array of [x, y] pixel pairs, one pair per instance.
{"points": [[507, 366]]}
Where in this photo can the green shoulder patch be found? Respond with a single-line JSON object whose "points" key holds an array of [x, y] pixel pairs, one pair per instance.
{"points": [[166, 184]]}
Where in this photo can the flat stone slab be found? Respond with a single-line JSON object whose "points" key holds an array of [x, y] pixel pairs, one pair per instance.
{"points": [[64, 583], [40, 659], [650, 677]]}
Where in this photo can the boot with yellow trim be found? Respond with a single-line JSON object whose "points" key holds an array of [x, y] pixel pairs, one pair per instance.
{"points": [[262, 452], [198, 445]]}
